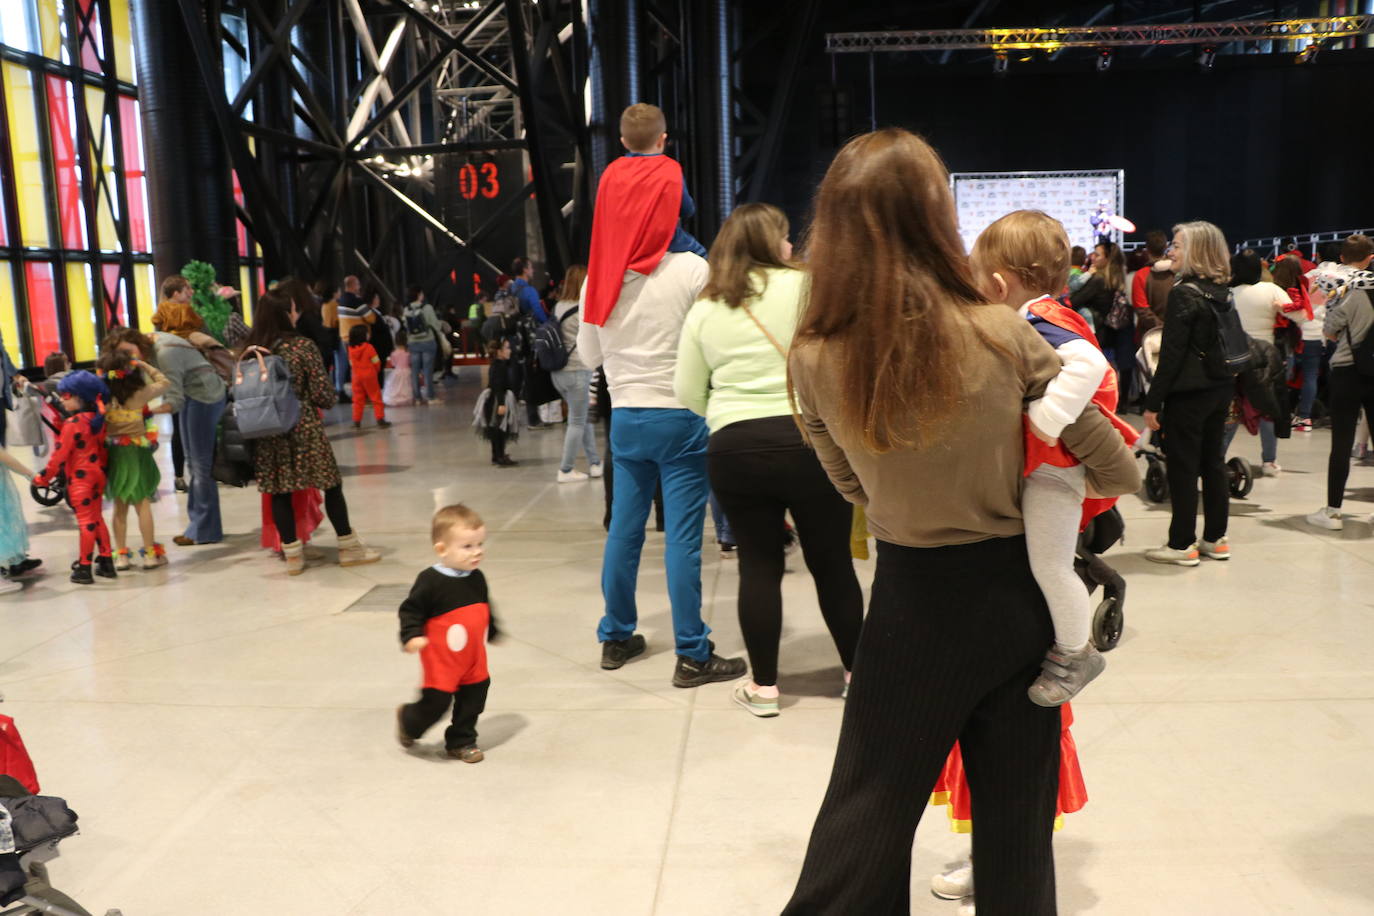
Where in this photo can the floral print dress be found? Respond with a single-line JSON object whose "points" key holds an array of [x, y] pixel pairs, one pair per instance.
{"points": [[302, 458]]}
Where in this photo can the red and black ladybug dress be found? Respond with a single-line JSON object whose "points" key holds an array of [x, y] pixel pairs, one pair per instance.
{"points": [[81, 455]]}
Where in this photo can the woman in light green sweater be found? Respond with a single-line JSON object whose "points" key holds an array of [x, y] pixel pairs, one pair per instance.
{"points": [[732, 369]]}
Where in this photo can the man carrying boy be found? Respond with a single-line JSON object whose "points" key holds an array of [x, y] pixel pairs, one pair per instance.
{"points": [[637, 294]]}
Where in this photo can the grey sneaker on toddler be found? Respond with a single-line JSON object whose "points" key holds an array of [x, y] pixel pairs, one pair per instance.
{"points": [[1063, 674]]}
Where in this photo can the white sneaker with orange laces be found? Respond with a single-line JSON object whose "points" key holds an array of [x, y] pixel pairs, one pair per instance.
{"points": [[1215, 550], [1167, 554]]}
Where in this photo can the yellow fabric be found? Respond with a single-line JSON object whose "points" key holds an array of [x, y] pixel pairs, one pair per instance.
{"points": [[9, 315], [29, 166], [82, 312], [858, 535], [105, 224], [123, 41]]}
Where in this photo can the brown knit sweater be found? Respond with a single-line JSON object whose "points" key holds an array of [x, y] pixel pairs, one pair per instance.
{"points": [[967, 486]]}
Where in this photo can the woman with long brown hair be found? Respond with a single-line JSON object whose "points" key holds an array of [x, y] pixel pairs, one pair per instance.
{"points": [[732, 369], [1104, 288], [911, 387]]}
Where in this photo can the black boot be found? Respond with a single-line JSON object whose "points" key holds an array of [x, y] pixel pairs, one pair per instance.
{"points": [[81, 574], [104, 567]]}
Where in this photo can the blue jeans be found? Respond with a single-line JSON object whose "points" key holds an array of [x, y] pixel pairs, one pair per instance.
{"points": [[1269, 440], [575, 385], [722, 524], [422, 357], [199, 423], [650, 444], [342, 371], [1310, 362]]}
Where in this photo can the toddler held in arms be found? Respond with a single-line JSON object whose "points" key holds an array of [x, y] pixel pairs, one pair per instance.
{"points": [[447, 620], [1023, 260]]}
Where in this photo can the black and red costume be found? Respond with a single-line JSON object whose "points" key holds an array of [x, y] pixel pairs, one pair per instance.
{"points": [[451, 608], [81, 455]]}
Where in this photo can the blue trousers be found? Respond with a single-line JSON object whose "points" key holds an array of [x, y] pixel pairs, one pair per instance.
{"points": [[199, 424], [422, 367], [650, 444], [342, 370]]}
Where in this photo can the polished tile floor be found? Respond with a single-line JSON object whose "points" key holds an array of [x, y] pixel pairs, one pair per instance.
{"points": [[226, 732]]}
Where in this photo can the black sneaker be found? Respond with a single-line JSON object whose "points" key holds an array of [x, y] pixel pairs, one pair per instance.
{"points": [[104, 567], [692, 673], [616, 652], [81, 574], [26, 565]]}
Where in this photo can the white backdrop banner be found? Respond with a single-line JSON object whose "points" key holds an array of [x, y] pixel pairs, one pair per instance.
{"points": [[981, 198]]}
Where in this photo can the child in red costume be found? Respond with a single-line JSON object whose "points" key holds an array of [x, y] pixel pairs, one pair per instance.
{"points": [[640, 198], [80, 454], [1023, 258], [367, 368], [447, 619]]}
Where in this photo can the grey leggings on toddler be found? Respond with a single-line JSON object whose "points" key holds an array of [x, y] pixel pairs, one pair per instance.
{"points": [[1052, 508]]}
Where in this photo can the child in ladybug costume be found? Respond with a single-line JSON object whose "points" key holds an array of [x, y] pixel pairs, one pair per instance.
{"points": [[447, 620], [81, 454]]}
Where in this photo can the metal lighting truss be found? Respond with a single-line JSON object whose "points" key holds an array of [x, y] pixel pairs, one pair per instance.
{"points": [[1119, 36], [348, 157]]}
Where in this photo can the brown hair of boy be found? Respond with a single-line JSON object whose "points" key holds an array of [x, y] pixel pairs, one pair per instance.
{"points": [[1356, 248], [451, 517], [55, 362], [173, 285], [640, 127], [1028, 244]]}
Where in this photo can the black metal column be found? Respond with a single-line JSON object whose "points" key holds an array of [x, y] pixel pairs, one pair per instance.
{"points": [[190, 198]]}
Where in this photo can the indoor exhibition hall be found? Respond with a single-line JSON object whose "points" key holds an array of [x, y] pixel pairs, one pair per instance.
{"points": [[652, 457]]}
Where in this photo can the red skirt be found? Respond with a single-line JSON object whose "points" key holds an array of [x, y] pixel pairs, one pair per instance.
{"points": [[952, 791], [306, 505]]}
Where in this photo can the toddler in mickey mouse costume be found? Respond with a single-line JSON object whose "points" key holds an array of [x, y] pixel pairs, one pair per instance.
{"points": [[447, 619]]}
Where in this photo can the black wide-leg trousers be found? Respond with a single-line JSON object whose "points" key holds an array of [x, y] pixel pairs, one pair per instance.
{"points": [[953, 638]]}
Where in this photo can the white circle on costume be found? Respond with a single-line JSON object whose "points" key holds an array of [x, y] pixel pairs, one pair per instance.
{"points": [[457, 637]]}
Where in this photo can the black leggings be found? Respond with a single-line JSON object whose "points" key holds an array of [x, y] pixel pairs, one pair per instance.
{"points": [[468, 703], [178, 453], [954, 636], [1194, 427], [497, 438], [755, 489], [1348, 391], [284, 515]]}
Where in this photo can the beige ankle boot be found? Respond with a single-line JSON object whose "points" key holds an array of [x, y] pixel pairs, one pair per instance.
{"points": [[352, 552], [294, 557]]}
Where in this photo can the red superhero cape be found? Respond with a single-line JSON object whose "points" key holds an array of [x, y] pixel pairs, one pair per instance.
{"points": [[637, 207], [1037, 452]]}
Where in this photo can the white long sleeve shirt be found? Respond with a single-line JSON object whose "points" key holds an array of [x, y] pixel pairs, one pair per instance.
{"points": [[637, 347], [1083, 368]]}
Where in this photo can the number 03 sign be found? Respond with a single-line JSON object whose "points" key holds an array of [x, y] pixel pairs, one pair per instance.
{"points": [[480, 180]]}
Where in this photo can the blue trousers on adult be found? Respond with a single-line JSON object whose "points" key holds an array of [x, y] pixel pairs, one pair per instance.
{"points": [[342, 370], [199, 421], [575, 386], [422, 357], [649, 444]]}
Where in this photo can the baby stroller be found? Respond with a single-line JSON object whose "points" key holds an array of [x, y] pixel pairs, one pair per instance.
{"points": [[1097, 538], [1239, 477]]}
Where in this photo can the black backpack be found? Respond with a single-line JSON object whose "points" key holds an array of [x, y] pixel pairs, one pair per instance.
{"points": [[415, 321], [1229, 354], [549, 351]]}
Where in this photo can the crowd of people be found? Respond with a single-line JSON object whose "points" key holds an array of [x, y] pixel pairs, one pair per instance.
{"points": [[827, 390]]}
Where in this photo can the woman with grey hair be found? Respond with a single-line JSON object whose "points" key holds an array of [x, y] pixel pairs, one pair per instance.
{"points": [[1191, 395]]}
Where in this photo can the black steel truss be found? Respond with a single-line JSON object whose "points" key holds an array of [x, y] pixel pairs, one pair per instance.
{"points": [[337, 158]]}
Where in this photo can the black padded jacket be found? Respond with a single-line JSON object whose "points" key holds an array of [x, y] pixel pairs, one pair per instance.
{"points": [[1190, 330]]}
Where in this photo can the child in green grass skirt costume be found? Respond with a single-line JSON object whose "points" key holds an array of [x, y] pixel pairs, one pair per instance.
{"points": [[133, 474]]}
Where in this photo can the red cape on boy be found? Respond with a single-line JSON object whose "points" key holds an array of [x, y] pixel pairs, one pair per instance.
{"points": [[637, 207]]}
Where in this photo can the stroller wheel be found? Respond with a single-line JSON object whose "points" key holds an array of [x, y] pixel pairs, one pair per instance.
{"points": [[1156, 482], [1241, 480], [1108, 621], [52, 494]]}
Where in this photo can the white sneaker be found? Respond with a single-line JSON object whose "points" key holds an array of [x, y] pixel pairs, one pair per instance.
{"points": [[966, 907], [8, 585], [1167, 554], [1215, 550], [597, 471], [955, 883], [1270, 469], [1327, 518], [572, 476]]}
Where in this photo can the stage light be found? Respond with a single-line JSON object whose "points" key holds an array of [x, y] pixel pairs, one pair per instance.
{"points": [[999, 63], [1309, 54], [1207, 58], [1104, 60]]}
